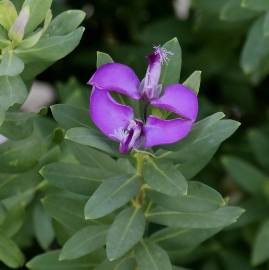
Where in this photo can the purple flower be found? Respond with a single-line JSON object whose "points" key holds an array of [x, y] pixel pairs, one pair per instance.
{"points": [[117, 121]]}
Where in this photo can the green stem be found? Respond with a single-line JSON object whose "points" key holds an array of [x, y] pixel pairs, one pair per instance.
{"points": [[139, 199], [140, 157]]}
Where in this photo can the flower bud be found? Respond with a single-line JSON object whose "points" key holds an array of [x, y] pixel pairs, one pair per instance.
{"points": [[150, 88], [16, 32]]}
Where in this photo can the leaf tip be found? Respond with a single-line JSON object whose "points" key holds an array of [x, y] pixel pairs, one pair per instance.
{"points": [[243, 3], [88, 216], [41, 171], [66, 137], [174, 39], [28, 265], [110, 258], [61, 257], [52, 107], [43, 200]]}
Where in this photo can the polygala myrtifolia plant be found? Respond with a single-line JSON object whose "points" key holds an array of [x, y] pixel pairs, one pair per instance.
{"points": [[122, 199], [30, 41]]}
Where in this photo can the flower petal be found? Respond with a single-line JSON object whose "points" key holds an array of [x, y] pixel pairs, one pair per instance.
{"points": [[108, 115], [178, 99], [116, 77], [149, 86], [158, 131]]}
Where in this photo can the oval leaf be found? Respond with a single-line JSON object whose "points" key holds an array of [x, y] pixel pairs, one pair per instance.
{"points": [[103, 58], [69, 116], [111, 195], [50, 261], [73, 177], [200, 197], [193, 81], [93, 138], [164, 178], [10, 254], [260, 251], [84, 241], [217, 218], [171, 70], [126, 230], [150, 256], [65, 22], [12, 91]]}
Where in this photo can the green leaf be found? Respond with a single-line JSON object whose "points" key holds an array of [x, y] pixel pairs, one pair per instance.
{"points": [[103, 58], [52, 155], [171, 70], [17, 125], [4, 43], [194, 152], [164, 178], [95, 159], [2, 117], [84, 241], [13, 221], [73, 177], [151, 256], [69, 116], [260, 251], [47, 51], [199, 129], [245, 175], [111, 195], [182, 238], [266, 25], [66, 22], [18, 184], [62, 233], [260, 147], [221, 217], [43, 227], [11, 64], [38, 12], [233, 11], [259, 5], [12, 91], [67, 209], [126, 231], [33, 39], [200, 197], [50, 49], [124, 165], [93, 138], [2, 213], [125, 263], [194, 81], [256, 48], [8, 14], [50, 261], [21, 155], [10, 254]]}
